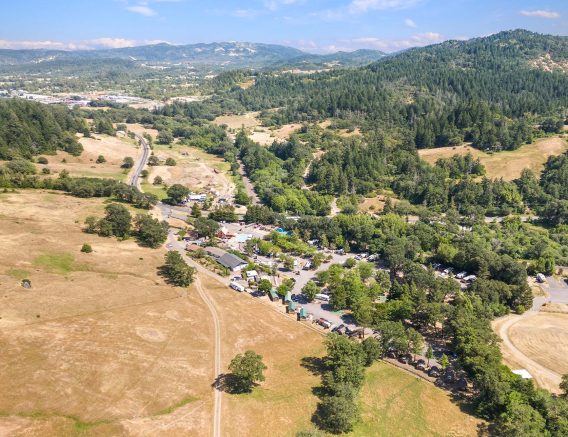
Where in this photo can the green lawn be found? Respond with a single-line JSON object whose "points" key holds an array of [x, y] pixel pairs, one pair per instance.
{"points": [[394, 403], [61, 263]]}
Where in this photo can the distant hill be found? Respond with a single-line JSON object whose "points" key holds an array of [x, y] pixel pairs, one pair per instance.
{"points": [[485, 90], [222, 54]]}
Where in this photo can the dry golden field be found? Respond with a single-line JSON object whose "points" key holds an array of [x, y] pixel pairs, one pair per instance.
{"points": [[101, 346], [509, 164], [114, 149]]}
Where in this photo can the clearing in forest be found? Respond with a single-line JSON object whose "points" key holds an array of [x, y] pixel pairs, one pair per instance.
{"points": [[263, 135], [508, 164], [196, 169]]}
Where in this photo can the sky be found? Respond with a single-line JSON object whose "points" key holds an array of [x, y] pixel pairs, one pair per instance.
{"points": [[317, 26]]}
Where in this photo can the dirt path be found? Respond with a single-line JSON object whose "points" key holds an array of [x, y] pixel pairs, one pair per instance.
{"points": [[544, 376], [217, 360]]}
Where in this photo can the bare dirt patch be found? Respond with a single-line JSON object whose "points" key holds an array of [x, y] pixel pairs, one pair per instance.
{"points": [[509, 164], [258, 133], [196, 169], [100, 345], [139, 129]]}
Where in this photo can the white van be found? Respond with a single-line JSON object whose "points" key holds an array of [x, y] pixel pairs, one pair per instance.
{"points": [[236, 286], [323, 297]]}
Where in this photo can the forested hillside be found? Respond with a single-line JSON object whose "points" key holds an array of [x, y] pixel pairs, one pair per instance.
{"points": [[28, 129], [489, 91]]}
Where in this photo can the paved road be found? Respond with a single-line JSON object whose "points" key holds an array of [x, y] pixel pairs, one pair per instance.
{"points": [[249, 187], [139, 166]]}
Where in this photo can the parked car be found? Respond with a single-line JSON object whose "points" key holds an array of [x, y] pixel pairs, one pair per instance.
{"points": [[404, 359], [434, 372], [340, 329], [324, 323], [540, 278], [461, 275], [420, 365], [391, 354]]}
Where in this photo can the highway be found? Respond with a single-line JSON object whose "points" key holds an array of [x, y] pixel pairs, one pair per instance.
{"points": [[139, 166]]}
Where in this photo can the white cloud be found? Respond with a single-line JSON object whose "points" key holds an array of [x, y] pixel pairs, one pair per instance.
{"points": [[358, 6], [410, 22], [394, 44], [541, 13], [141, 9], [91, 44]]}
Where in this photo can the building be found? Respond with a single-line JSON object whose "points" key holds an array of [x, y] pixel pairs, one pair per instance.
{"points": [[232, 262], [215, 252]]}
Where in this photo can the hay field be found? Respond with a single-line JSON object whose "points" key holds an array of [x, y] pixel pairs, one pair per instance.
{"points": [[114, 149], [509, 164], [99, 344], [537, 342]]}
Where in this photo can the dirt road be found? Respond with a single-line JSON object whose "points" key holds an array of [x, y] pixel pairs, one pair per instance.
{"points": [[217, 360], [544, 377]]}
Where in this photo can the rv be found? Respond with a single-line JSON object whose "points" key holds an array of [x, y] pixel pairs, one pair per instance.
{"points": [[236, 286]]}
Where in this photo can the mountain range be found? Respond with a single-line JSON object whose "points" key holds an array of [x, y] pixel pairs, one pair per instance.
{"points": [[226, 54]]}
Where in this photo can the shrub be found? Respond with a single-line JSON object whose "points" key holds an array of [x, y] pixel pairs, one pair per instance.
{"points": [[86, 248]]}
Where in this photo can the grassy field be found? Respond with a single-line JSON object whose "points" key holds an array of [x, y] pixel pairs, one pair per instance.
{"points": [[114, 149], [101, 346], [509, 164], [394, 403]]}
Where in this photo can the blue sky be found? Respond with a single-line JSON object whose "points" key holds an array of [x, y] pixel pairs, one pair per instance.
{"points": [[312, 25]]}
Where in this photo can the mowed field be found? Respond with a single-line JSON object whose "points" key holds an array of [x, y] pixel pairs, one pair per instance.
{"points": [[537, 342], [114, 149], [509, 164]]}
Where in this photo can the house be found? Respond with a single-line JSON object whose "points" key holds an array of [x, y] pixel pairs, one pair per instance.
{"points": [[252, 275], [223, 232], [232, 262], [192, 247]]}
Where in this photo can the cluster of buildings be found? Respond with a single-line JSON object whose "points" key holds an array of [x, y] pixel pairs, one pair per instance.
{"points": [[45, 99], [71, 101]]}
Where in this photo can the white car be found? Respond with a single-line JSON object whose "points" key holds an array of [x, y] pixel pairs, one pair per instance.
{"points": [[461, 275]]}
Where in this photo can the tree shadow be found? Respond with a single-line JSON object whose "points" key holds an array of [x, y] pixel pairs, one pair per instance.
{"points": [[315, 365], [229, 383]]}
